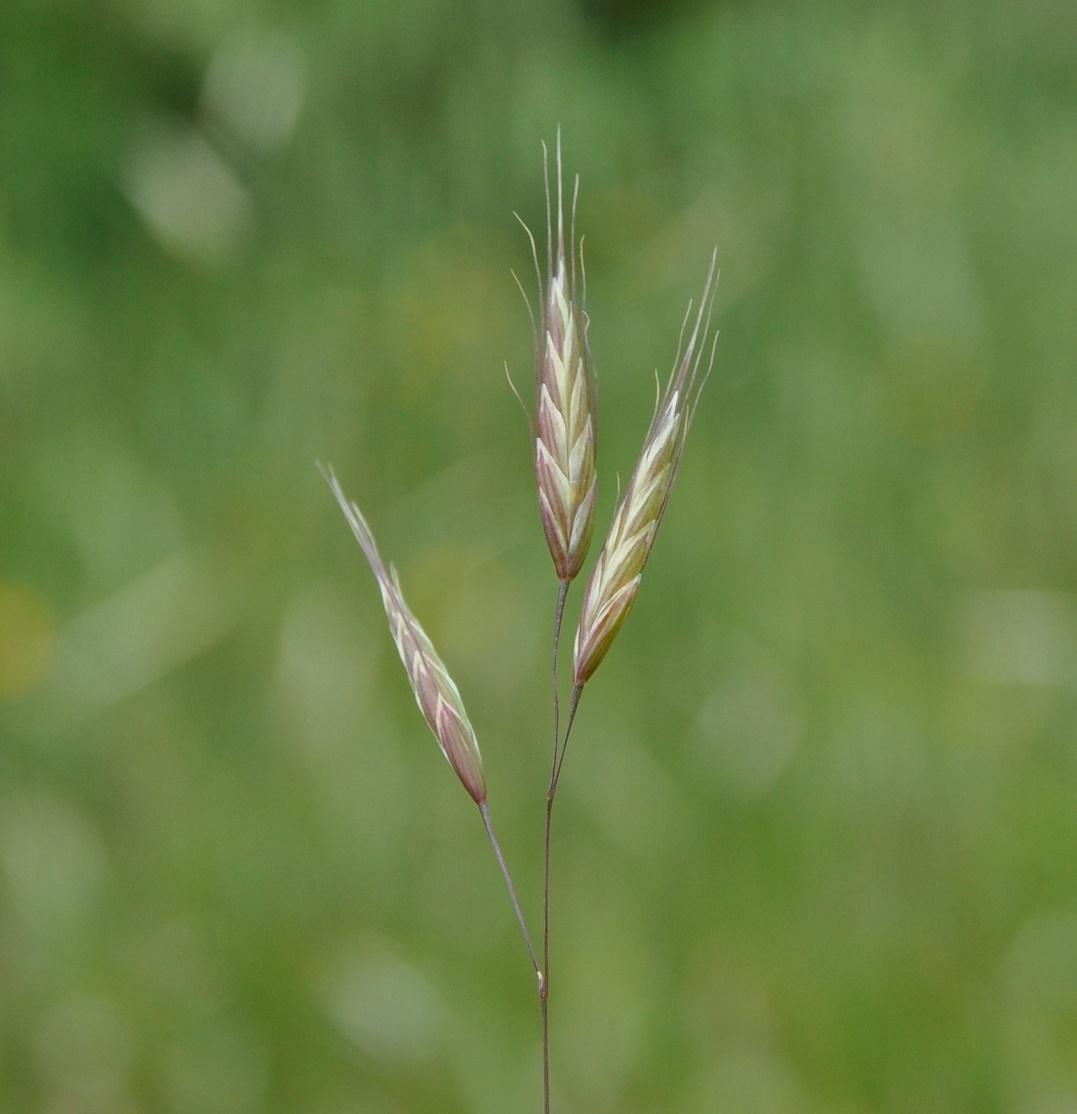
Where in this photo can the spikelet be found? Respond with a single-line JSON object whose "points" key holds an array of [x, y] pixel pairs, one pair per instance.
{"points": [[435, 693], [615, 580], [564, 402]]}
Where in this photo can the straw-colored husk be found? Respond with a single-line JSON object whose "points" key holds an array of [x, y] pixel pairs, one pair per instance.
{"points": [[435, 692], [615, 580], [564, 403]]}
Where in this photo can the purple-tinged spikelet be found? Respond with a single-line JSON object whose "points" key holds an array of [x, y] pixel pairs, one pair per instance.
{"points": [[615, 580], [435, 693], [564, 401]]}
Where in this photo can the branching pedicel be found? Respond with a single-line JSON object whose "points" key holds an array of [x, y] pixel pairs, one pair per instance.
{"points": [[565, 472]]}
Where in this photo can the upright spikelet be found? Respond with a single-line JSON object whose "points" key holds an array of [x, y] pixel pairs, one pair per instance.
{"points": [[564, 403], [614, 583], [436, 694]]}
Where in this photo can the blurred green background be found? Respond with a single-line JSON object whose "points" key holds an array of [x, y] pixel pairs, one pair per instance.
{"points": [[817, 837]]}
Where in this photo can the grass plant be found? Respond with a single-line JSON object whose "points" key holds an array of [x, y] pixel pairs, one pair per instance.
{"points": [[564, 431]]}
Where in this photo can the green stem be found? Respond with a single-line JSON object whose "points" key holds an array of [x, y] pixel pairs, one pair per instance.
{"points": [[484, 810], [544, 991]]}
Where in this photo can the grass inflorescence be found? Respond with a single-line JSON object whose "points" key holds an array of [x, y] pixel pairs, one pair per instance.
{"points": [[565, 450]]}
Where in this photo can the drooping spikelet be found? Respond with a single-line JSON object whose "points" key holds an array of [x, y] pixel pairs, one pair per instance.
{"points": [[435, 693], [564, 402], [614, 582]]}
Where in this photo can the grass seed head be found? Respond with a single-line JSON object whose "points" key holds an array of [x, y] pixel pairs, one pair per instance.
{"points": [[435, 693], [565, 390], [615, 580]]}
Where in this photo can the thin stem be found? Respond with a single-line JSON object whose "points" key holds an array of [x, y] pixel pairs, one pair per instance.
{"points": [[577, 692], [484, 810], [562, 593], [544, 993], [555, 775]]}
